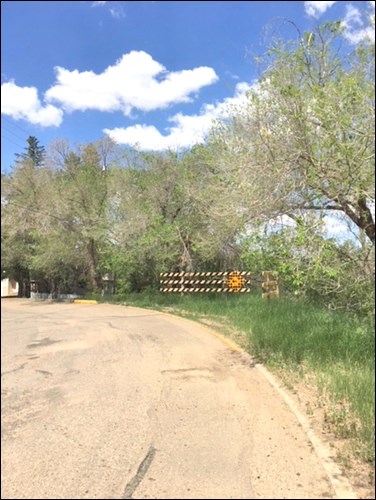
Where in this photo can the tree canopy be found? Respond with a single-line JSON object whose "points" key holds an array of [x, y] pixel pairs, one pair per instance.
{"points": [[305, 138]]}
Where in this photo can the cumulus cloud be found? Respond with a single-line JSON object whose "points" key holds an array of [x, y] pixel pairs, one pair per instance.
{"points": [[98, 4], [186, 130], [357, 27], [22, 103], [135, 81], [316, 9]]}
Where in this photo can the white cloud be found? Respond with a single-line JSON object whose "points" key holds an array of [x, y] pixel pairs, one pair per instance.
{"points": [[136, 81], [115, 8], [358, 26], [316, 9], [117, 12], [354, 24], [23, 103], [186, 131]]}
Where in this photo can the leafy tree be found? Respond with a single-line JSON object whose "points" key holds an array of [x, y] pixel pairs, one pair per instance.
{"points": [[162, 217], [303, 146], [313, 267], [145, 208], [22, 195], [305, 140], [54, 219], [218, 218], [80, 200]]}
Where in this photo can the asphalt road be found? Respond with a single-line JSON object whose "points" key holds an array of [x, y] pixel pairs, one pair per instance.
{"points": [[103, 401]]}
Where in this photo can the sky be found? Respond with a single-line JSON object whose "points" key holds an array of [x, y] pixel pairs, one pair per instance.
{"points": [[149, 74]]}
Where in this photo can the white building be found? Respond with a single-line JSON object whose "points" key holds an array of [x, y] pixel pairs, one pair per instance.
{"points": [[9, 288]]}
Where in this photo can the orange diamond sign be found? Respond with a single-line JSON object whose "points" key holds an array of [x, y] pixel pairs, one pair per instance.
{"points": [[235, 282]]}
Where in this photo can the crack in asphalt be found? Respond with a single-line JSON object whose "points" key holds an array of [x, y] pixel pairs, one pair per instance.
{"points": [[141, 471], [183, 370], [15, 369], [44, 372], [42, 342]]}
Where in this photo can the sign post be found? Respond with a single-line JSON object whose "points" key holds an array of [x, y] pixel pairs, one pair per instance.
{"points": [[270, 286]]}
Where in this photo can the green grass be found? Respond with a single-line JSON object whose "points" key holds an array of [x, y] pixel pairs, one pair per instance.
{"points": [[286, 334]]}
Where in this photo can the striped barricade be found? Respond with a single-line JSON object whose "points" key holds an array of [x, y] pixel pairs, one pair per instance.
{"points": [[218, 282], [206, 282]]}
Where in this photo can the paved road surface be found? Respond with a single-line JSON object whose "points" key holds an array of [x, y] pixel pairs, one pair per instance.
{"points": [[104, 401]]}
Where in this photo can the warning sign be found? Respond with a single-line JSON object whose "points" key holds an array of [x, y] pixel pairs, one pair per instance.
{"points": [[235, 281]]}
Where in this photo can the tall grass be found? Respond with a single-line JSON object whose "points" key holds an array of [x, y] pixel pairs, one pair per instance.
{"points": [[338, 348]]}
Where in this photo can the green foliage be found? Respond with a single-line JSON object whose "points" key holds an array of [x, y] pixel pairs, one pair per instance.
{"points": [[306, 137], [54, 221], [313, 267], [35, 154]]}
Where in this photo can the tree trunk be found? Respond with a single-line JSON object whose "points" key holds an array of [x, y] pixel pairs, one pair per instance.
{"points": [[362, 218], [92, 264]]}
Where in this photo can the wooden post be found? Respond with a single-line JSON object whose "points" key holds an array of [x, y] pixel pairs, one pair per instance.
{"points": [[270, 286]]}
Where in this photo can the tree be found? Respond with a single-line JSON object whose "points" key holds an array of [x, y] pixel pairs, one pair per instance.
{"points": [[107, 151], [305, 139], [23, 192], [312, 266], [34, 153], [146, 209], [80, 200], [54, 219], [164, 214]]}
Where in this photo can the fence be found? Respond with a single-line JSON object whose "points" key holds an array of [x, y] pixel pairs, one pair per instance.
{"points": [[218, 282]]}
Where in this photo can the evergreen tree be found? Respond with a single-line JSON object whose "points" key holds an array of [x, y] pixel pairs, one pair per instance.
{"points": [[34, 152]]}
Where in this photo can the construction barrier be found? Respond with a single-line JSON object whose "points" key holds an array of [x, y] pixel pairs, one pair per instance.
{"points": [[213, 282]]}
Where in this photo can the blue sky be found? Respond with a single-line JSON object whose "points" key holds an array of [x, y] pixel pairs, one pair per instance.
{"points": [[149, 74]]}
